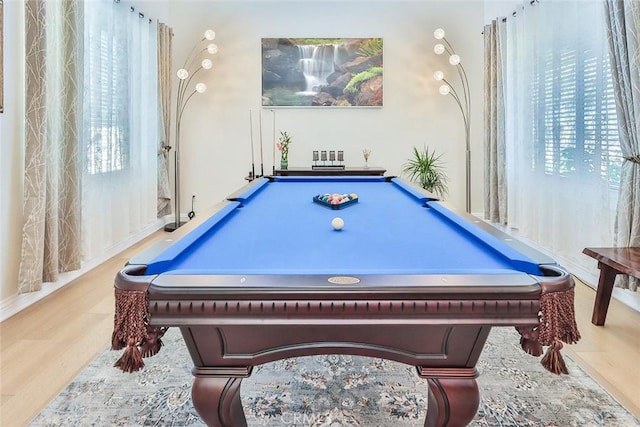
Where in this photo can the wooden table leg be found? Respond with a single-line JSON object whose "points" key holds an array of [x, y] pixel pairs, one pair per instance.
{"points": [[603, 293], [453, 401], [217, 400]]}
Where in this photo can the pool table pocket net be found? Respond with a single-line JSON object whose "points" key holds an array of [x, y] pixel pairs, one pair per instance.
{"points": [[132, 330], [557, 325]]}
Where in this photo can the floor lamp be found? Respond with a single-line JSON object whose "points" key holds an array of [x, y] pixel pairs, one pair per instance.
{"points": [[463, 101], [192, 66]]}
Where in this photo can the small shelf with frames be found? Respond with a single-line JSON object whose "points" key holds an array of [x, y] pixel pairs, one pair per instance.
{"points": [[329, 162]]}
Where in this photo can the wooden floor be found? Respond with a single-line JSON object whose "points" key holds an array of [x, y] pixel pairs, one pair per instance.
{"points": [[45, 346]]}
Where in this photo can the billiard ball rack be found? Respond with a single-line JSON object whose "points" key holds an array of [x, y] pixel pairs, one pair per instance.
{"points": [[318, 199]]}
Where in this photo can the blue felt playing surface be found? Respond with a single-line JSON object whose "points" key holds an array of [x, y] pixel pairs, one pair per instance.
{"points": [[279, 230]]}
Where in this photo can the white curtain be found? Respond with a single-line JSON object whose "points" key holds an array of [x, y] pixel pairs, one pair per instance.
{"points": [[561, 131], [119, 191]]}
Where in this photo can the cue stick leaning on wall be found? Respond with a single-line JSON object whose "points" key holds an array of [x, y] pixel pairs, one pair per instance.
{"points": [[252, 175], [261, 154], [273, 142]]}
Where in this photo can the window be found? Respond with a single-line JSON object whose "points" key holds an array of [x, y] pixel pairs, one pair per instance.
{"points": [[564, 145], [575, 127], [106, 79], [120, 128]]}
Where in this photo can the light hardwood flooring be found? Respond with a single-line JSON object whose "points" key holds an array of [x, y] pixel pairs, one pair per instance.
{"points": [[46, 345]]}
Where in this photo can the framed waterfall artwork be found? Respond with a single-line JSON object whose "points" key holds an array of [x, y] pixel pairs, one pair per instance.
{"points": [[322, 72]]}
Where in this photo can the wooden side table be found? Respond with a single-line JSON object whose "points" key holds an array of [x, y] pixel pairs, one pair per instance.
{"points": [[611, 262]]}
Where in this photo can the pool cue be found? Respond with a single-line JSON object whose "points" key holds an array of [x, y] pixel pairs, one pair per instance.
{"points": [[253, 166], [273, 147], [261, 156]]}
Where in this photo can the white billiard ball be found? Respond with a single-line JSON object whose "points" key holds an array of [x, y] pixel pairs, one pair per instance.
{"points": [[337, 223]]}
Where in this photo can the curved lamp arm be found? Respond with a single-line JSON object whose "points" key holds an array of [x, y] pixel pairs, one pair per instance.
{"points": [[464, 101], [193, 65]]}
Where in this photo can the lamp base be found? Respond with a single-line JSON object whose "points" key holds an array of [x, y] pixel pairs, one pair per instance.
{"points": [[171, 227]]}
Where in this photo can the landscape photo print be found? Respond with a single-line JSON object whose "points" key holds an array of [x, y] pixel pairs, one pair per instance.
{"points": [[322, 72]]}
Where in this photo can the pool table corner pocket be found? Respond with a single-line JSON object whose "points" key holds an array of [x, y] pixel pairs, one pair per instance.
{"points": [[131, 329]]}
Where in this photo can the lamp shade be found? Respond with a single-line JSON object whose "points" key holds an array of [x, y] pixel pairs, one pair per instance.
{"points": [[454, 59], [207, 64], [182, 74], [439, 49], [438, 75], [201, 88], [209, 34], [444, 90], [212, 48], [438, 34]]}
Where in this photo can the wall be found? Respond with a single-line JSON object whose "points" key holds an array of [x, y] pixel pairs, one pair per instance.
{"points": [[215, 154], [500, 8]]}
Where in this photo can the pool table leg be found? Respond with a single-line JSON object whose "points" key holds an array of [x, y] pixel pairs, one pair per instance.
{"points": [[453, 401], [216, 398]]}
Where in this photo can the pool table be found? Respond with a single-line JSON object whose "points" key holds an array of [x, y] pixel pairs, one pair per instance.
{"points": [[264, 276]]}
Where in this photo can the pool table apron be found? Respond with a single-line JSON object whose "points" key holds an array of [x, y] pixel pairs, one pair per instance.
{"points": [[256, 319], [437, 323]]}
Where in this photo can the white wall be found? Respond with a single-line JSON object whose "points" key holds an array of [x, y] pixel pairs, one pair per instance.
{"points": [[215, 153], [499, 8]]}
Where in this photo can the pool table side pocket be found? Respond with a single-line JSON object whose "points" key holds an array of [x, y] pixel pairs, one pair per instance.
{"points": [[248, 190], [421, 195]]}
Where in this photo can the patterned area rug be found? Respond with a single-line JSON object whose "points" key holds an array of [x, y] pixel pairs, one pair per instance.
{"points": [[334, 391]]}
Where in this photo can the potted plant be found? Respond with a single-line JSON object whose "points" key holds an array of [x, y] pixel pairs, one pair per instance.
{"points": [[283, 147], [426, 169]]}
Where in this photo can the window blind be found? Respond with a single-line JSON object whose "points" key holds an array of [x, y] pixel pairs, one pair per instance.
{"points": [[575, 126]]}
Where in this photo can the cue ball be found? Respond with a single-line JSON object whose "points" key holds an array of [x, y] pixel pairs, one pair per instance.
{"points": [[337, 223]]}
